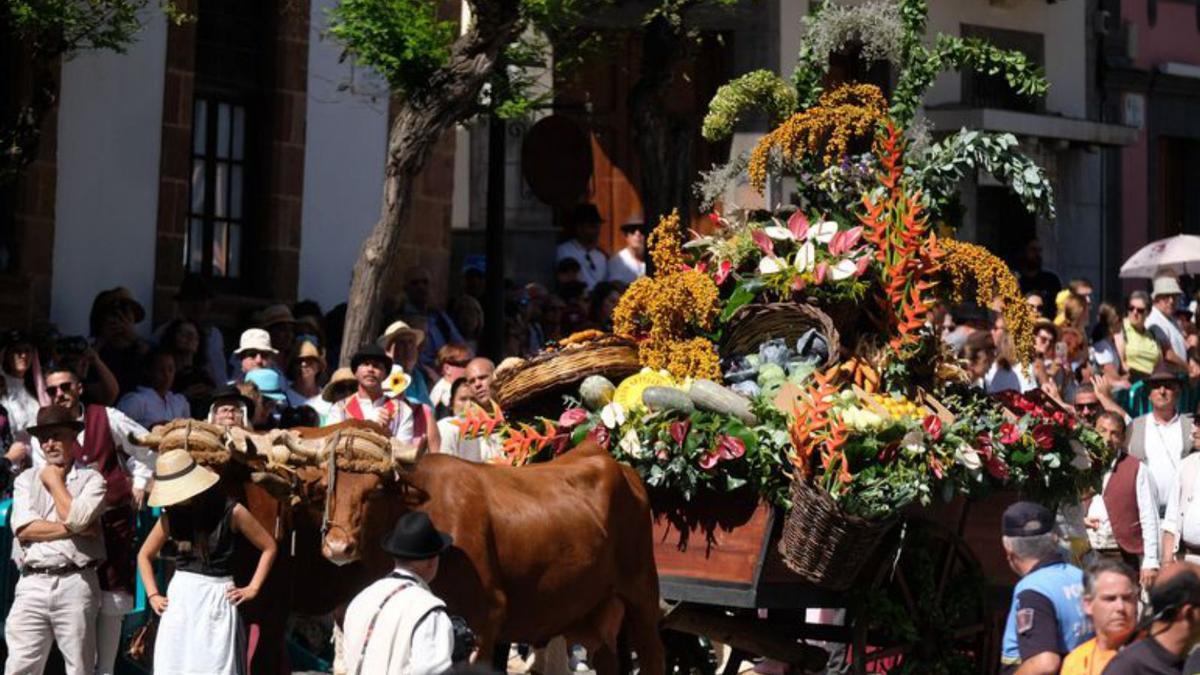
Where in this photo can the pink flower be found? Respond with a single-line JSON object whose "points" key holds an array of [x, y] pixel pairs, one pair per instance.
{"points": [[798, 284], [700, 267], [1009, 433], [723, 272], [798, 224], [845, 240], [599, 433], [708, 461], [715, 218], [1043, 434], [819, 273], [679, 431], [933, 426], [730, 447], [572, 418], [938, 469], [1059, 417], [662, 455], [983, 444], [763, 242], [861, 266]]}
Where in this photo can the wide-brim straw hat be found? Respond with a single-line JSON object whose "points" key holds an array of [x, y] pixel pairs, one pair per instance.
{"points": [[342, 377], [398, 329], [178, 478]]}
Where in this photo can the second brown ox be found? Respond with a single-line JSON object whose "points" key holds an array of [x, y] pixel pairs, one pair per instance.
{"points": [[561, 548]]}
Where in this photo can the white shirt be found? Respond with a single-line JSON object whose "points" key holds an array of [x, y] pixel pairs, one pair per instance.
{"points": [[32, 501], [141, 459], [1102, 537], [400, 426], [1001, 379], [1104, 352], [625, 268], [412, 634], [1189, 530], [440, 394], [22, 408], [1164, 450], [593, 265], [1167, 326], [147, 408]]}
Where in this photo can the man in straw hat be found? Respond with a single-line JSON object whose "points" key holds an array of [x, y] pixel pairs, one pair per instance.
{"points": [[397, 625], [55, 511], [371, 366], [1046, 619], [105, 446], [254, 351], [1165, 296]]}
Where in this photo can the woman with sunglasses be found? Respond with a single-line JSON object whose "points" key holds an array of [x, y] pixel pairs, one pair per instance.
{"points": [[1140, 346]]}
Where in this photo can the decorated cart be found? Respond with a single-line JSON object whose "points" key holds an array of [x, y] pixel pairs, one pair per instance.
{"points": [[827, 476]]}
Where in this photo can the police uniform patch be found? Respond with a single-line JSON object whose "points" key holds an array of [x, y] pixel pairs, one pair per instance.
{"points": [[1024, 621]]}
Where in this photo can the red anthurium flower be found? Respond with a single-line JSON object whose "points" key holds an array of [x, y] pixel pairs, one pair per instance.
{"points": [[861, 266], [1059, 417], [845, 240], [983, 444], [933, 426], [763, 242], [679, 431], [723, 272], [700, 267], [997, 468], [798, 283], [708, 461], [1009, 433], [1043, 435], [572, 418], [599, 433], [715, 217], [730, 447], [798, 224], [1025, 404]]}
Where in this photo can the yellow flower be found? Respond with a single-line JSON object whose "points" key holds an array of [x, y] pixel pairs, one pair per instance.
{"points": [[973, 267]]}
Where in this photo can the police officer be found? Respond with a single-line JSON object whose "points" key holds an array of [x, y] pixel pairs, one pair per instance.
{"points": [[1046, 620]]}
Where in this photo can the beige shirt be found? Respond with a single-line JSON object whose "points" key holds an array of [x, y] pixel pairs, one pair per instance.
{"points": [[32, 501]]}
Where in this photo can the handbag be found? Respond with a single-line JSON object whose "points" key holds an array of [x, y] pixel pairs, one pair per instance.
{"points": [[141, 643]]}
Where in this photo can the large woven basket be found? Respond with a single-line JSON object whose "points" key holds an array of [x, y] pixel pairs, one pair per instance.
{"points": [[824, 545], [754, 324], [550, 374]]}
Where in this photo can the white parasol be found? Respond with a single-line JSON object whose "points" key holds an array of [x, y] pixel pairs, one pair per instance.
{"points": [[1177, 255]]}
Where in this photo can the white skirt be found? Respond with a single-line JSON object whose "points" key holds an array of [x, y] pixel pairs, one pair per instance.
{"points": [[200, 633]]}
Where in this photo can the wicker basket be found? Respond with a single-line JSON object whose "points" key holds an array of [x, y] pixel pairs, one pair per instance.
{"points": [[754, 324], [824, 545], [551, 373]]}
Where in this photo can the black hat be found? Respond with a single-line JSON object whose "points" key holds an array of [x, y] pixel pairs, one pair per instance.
{"points": [[370, 352], [229, 391], [194, 289], [1162, 373], [51, 417], [15, 337], [415, 538], [585, 213], [1027, 519]]}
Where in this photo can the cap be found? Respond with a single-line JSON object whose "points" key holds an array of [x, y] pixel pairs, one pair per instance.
{"points": [[1027, 519]]}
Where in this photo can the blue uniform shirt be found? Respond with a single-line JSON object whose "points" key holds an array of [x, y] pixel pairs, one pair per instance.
{"points": [[1059, 584]]}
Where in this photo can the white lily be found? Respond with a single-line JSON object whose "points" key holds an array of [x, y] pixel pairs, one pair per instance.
{"points": [[806, 257], [968, 457], [770, 265], [613, 415], [779, 233], [844, 269], [823, 232]]}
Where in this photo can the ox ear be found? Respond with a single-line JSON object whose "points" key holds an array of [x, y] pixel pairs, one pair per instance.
{"points": [[277, 486], [404, 454]]}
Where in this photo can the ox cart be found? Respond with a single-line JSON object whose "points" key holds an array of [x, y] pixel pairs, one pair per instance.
{"points": [[931, 599]]}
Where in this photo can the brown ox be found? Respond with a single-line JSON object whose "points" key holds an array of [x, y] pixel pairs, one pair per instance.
{"points": [[561, 548]]}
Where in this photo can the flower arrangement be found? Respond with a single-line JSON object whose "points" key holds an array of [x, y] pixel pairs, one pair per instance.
{"points": [[971, 267]]}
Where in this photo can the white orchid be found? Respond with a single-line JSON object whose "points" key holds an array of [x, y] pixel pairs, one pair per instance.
{"points": [[823, 232], [779, 233], [844, 269], [613, 415], [770, 265]]}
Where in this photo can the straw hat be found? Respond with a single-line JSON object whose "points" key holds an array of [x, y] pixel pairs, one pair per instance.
{"points": [[308, 350], [1166, 285], [178, 478], [342, 378], [255, 339], [398, 329], [276, 314]]}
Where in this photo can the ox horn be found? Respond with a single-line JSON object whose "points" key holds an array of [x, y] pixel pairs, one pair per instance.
{"points": [[147, 440], [295, 448], [278, 486], [404, 454]]}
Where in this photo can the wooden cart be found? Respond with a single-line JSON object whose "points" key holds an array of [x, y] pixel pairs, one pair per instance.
{"points": [[931, 600]]}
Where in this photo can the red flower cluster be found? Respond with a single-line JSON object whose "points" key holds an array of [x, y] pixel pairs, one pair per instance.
{"points": [[728, 448]]}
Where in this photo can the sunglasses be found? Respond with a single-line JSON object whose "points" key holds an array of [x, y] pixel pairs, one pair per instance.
{"points": [[1164, 385], [1086, 406], [1137, 310], [253, 353], [66, 388]]}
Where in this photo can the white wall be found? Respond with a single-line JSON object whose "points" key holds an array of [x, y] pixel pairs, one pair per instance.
{"points": [[109, 139], [1063, 25], [345, 145]]}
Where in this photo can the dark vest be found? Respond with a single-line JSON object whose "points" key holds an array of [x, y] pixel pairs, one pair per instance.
{"points": [[1120, 500], [117, 523]]}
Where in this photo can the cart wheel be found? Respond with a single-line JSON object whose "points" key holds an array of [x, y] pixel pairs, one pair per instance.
{"points": [[688, 654], [929, 614]]}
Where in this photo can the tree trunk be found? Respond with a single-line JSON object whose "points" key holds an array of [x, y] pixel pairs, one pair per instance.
{"points": [[420, 123], [664, 139]]}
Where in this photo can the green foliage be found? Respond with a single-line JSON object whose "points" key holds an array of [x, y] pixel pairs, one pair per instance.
{"points": [[65, 27], [403, 40], [942, 166], [756, 90]]}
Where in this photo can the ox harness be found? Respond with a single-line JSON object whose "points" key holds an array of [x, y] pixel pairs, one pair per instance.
{"points": [[331, 480]]}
